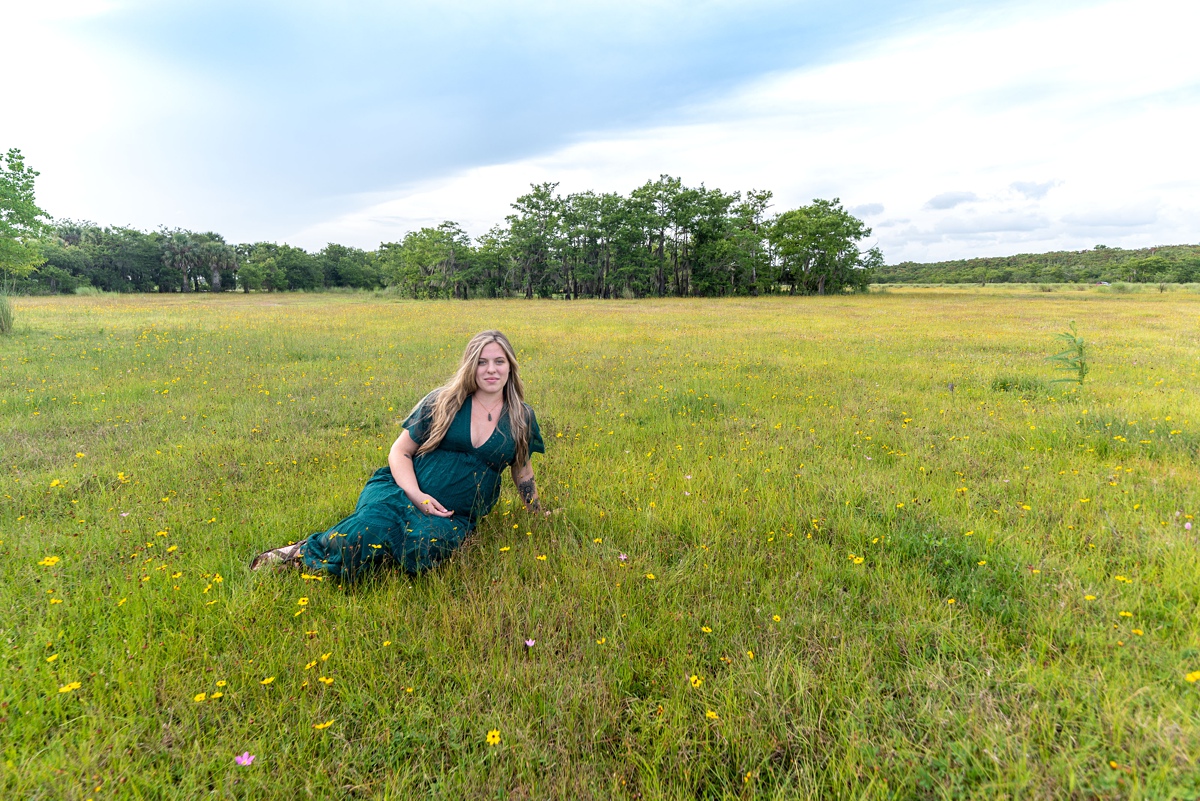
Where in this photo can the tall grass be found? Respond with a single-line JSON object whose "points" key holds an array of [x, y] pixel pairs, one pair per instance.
{"points": [[6, 314], [884, 585]]}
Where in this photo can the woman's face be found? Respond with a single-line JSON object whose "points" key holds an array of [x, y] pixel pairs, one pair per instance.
{"points": [[491, 372]]}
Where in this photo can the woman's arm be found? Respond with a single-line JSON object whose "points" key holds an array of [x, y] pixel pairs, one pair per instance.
{"points": [[400, 460], [527, 487]]}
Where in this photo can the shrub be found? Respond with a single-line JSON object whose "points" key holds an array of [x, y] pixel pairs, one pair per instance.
{"points": [[1026, 386], [6, 314]]}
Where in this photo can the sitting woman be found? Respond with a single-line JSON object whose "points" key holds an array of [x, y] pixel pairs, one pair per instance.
{"points": [[443, 473]]}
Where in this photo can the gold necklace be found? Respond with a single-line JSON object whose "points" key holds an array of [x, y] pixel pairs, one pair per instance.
{"points": [[489, 411]]}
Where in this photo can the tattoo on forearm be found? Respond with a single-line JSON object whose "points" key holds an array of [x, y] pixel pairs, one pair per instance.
{"points": [[528, 490]]}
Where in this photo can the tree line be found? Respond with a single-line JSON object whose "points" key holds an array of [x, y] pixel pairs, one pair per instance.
{"points": [[662, 239], [1169, 264]]}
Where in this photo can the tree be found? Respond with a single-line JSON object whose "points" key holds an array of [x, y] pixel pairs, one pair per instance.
{"points": [[303, 270], [817, 247], [216, 261], [534, 232], [429, 263], [1147, 269], [21, 221], [346, 266], [750, 219], [493, 263], [260, 267], [180, 258]]}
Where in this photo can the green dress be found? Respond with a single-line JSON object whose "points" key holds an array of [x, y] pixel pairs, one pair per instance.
{"points": [[387, 527]]}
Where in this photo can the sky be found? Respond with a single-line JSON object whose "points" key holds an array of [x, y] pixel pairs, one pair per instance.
{"points": [[954, 129]]}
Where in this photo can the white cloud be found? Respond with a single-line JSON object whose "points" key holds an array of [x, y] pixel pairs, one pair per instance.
{"points": [[1032, 189], [974, 108], [1125, 217], [948, 200]]}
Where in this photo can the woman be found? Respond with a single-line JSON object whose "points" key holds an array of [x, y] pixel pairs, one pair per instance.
{"points": [[443, 473]]}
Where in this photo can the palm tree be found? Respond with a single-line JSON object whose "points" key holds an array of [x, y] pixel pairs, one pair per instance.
{"points": [[216, 256], [180, 251]]}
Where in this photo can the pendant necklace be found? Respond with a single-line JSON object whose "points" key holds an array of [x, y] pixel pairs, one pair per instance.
{"points": [[489, 411]]}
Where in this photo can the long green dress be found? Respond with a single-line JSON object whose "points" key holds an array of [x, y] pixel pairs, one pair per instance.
{"points": [[387, 526]]}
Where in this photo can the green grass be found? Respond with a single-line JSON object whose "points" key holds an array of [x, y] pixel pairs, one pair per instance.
{"points": [[909, 562]]}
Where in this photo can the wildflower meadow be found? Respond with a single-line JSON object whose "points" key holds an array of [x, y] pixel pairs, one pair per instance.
{"points": [[860, 546]]}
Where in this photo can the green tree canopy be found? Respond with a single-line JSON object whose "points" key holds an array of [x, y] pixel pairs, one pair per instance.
{"points": [[817, 246], [21, 221], [662, 238]]}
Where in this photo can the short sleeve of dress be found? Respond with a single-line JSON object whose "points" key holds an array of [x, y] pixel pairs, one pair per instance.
{"points": [[418, 420], [535, 433]]}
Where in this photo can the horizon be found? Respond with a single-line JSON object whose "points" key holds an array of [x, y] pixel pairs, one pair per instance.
{"points": [[954, 131]]}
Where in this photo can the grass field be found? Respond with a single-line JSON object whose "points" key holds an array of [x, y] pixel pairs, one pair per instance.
{"points": [[852, 568]]}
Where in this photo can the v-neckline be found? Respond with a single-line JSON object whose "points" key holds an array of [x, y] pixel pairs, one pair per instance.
{"points": [[495, 428]]}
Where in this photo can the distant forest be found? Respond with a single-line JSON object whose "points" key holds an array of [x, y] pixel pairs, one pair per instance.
{"points": [[1170, 264], [662, 239]]}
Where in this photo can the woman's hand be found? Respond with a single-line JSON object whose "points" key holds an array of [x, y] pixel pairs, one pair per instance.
{"points": [[429, 505], [400, 459]]}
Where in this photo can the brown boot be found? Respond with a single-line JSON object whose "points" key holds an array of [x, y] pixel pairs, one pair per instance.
{"points": [[279, 559]]}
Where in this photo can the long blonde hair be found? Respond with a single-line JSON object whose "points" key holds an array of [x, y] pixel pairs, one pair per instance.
{"points": [[449, 398]]}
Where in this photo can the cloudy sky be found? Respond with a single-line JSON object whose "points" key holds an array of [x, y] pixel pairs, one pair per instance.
{"points": [[954, 129]]}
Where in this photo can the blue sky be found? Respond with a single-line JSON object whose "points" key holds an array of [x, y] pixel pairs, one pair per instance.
{"points": [[956, 129]]}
